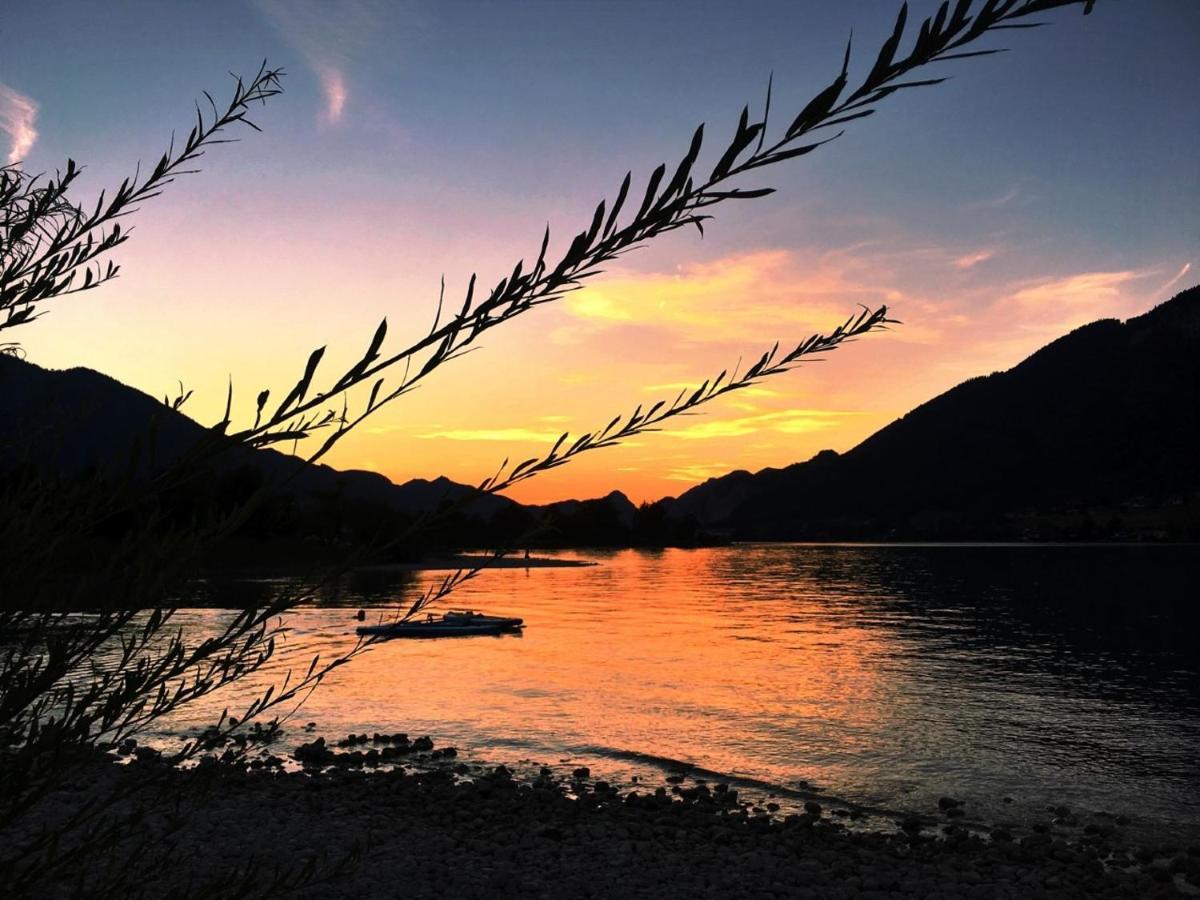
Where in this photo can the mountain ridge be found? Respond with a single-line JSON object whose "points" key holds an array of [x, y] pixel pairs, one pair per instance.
{"points": [[1102, 421], [1103, 417]]}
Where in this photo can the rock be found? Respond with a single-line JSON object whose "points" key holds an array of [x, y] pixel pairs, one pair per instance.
{"points": [[948, 803], [911, 824], [422, 745], [581, 773], [674, 779], [812, 808]]}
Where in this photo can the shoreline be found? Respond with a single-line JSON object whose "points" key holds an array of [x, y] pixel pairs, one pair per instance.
{"points": [[442, 827]]}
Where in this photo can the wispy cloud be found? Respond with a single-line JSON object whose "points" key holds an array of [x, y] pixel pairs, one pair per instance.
{"points": [[1091, 289], [973, 259], [1012, 196], [511, 435], [333, 85], [329, 36], [699, 471], [759, 295], [18, 118], [786, 421], [1187, 267]]}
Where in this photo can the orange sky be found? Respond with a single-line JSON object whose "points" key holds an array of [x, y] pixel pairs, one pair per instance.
{"points": [[1034, 192], [633, 337]]}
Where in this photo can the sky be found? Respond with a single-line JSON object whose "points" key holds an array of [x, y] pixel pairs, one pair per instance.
{"points": [[1033, 192]]}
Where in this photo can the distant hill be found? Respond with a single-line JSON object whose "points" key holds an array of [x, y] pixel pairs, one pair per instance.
{"points": [[1095, 435], [77, 422]]}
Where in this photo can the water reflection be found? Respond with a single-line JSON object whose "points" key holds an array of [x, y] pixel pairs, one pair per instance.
{"points": [[888, 674]]}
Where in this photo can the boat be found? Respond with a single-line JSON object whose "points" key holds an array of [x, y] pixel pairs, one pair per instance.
{"points": [[455, 623]]}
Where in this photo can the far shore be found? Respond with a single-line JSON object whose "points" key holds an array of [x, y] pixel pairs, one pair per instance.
{"points": [[469, 561]]}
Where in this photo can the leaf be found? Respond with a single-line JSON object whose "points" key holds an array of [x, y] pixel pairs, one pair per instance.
{"points": [[617, 204], [262, 401], [597, 221], [685, 166], [971, 54], [740, 194], [883, 63], [310, 369], [842, 120], [377, 340], [651, 190], [795, 151], [374, 394], [817, 108], [742, 139]]}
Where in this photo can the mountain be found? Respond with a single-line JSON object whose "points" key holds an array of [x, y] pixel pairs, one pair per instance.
{"points": [[1095, 435], [77, 422]]}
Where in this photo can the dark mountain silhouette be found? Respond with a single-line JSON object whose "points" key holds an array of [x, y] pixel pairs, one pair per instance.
{"points": [[1095, 435], [80, 423], [78, 420]]}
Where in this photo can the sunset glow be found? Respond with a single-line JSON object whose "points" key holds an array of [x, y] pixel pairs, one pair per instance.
{"points": [[983, 244]]}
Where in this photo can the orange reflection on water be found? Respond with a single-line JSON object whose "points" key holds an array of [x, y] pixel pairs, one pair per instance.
{"points": [[725, 660]]}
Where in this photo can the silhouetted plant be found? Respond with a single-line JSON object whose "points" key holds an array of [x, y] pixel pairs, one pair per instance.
{"points": [[51, 247], [60, 695]]}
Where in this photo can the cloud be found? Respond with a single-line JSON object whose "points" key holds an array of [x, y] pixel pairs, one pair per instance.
{"points": [[18, 118], [329, 36], [760, 295], [513, 435], [754, 390], [1012, 195], [1094, 290], [333, 85], [1187, 267], [699, 472], [786, 421], [974, 259]]}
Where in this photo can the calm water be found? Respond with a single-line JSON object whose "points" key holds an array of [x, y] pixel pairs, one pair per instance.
{"points": [[886, 675]]}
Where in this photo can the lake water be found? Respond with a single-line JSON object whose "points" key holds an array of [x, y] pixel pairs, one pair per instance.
{"points": [[887, 675]]}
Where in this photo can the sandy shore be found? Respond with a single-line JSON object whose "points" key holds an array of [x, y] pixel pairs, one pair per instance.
{"points": [[447, 829]]}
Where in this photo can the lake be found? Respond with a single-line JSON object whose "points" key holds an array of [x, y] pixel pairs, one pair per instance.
{"points": [[1010, 676]]}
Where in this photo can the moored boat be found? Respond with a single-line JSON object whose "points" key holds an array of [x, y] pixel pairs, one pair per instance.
{"points": [[456, 623]]}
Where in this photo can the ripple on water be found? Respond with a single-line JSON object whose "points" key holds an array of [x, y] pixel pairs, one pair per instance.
{"points": [[890, 675]]}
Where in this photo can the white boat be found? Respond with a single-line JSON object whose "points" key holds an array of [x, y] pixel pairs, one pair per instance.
{"points": [[455, 623]]}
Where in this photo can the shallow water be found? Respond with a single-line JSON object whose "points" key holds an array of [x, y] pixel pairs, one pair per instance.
{"points": [[887, 675]]}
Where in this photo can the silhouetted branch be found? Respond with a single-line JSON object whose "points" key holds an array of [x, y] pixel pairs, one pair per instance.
{"points": [[50, 247], [667, 204]]}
